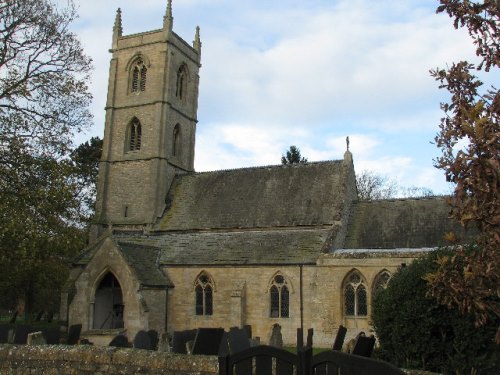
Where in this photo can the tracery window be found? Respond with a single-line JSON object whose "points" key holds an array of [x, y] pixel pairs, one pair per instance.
{"points": [[355, 303], [204, 295], [381, 281], [280, 298], [139, 75], [182, 76], [134, 135]]}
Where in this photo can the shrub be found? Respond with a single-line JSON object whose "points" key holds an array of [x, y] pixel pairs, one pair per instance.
{"points": [[415, 331]]}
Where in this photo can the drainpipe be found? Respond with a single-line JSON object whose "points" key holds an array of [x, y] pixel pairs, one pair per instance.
{"points": [[301, 300]]}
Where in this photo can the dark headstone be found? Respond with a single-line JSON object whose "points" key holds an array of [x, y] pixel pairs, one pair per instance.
{"points": [[153, 336], [39, 316], [207, 341], [300, 338], [276, 338], [224, 345], [142, 341], [238, 340], [50, 316], [52, 335], [21, 334], [120, 341], [180, 338], [364, 346], [74, 334], [339, 338], [248, 330], [310, 333], [4, 333]]}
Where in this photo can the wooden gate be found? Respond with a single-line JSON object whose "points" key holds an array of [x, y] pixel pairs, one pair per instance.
{"points": [[267, 360]]}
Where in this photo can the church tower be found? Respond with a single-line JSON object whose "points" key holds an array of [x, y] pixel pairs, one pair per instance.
{"points": [[150, 125]]}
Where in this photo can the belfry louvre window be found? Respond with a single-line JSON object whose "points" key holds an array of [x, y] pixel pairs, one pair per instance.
{"points": [[355, 296], [280, 298], [135, 135], [139, 73], [204, 298]]}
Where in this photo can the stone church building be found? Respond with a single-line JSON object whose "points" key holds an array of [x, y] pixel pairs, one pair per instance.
{"points": [[173, 249]]}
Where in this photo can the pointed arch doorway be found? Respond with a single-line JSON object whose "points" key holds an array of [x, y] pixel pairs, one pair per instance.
{"points": [[108, 304]]}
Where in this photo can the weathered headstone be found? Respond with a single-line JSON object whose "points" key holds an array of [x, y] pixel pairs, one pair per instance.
{"points": [[180, 338], [74, 334], [164, 342], [36, 338], [120, 341], [238, 340], [52, 335], [207, 341], [4, 333], [142, 341], [364, 346], [153, 336], [339, 338], [21, 334], [276, 338]]}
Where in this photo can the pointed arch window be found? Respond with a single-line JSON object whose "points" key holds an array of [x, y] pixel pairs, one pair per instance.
{"points": [[204, 295], [181, 86], [176, 140], [139, 75], [135, 135], [381, 282], [279, 298], [355, 301]]}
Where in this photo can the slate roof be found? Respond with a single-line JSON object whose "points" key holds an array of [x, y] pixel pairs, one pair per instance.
{"points": [[403, 223], [262, 197], [293, 246], [144, 261]]}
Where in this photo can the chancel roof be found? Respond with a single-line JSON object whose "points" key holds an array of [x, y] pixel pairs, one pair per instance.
{"points": [[277, 196], [401, 223]]}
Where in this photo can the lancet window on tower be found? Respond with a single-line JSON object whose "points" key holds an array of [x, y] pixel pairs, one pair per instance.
{"points": [[176, 139], [135, 135], [139, 75], [181, 86], [355, 302], [280, 298], [203, 291]]}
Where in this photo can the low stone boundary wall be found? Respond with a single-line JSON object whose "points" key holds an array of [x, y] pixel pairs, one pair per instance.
{"points": [[87, 359]]}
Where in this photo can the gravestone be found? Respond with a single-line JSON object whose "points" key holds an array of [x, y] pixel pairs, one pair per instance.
{"points": [[153, 336], [142, 341], [364, 346], [339, 338], [74, 334], [207, 341], [21, 334], [164, 343], [36, 338], [310, 333], [238, 340], [120, 341], [276, 338], [52, 335], [4, 333], [180, 338]]}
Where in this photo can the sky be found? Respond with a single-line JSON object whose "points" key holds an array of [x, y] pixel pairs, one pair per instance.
{"points": [[307, 73]]}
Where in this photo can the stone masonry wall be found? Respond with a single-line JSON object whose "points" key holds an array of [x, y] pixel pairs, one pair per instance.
{"points": [[82, 360]]}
